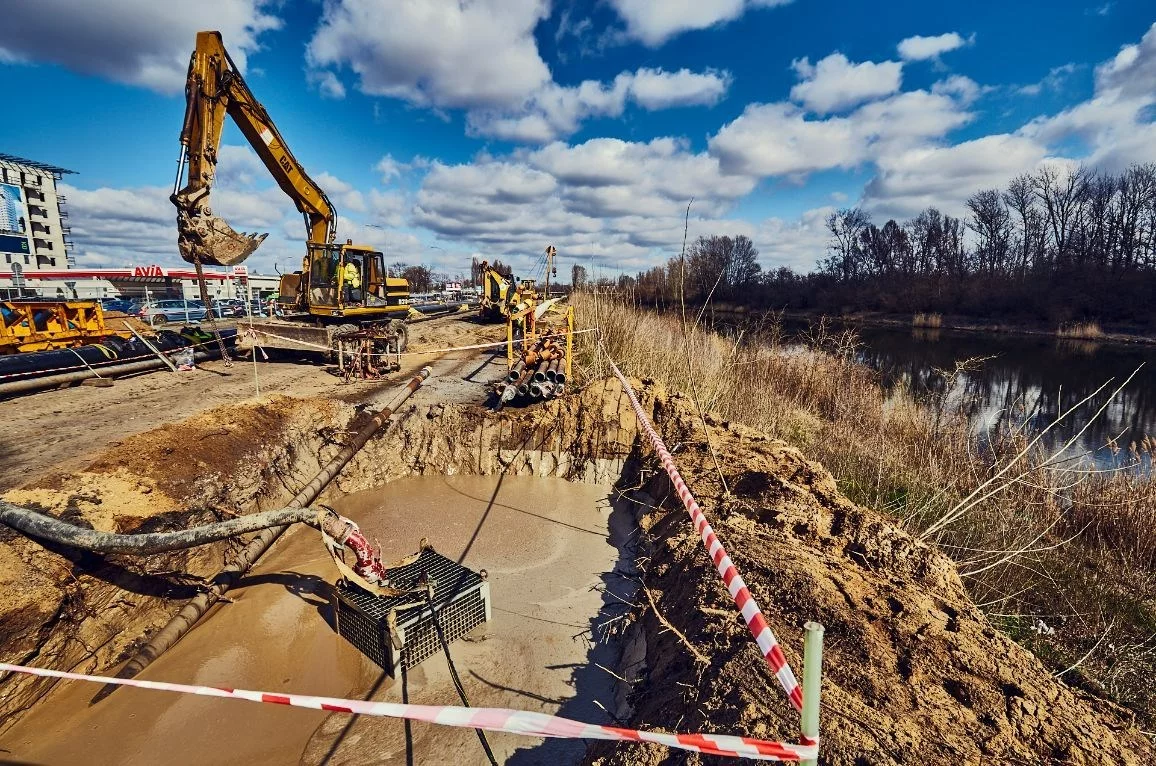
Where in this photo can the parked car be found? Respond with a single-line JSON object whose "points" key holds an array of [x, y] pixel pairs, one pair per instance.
{"points": [[161, 312], [123, 305], [228, 308]]}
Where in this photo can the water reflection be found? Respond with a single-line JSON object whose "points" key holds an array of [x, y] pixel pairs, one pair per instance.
{"points": [[1028, 380]]}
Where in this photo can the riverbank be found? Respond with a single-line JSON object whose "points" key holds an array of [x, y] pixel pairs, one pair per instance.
{"points": [[1061, 558], [944, 322]]}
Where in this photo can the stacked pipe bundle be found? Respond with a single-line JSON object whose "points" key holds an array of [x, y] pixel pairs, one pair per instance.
{"points": [[540, 373]]}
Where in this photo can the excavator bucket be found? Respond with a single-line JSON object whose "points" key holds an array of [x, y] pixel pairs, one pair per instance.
{"points": [[213, 241]]}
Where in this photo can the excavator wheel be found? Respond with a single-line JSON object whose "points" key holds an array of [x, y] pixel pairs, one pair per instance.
{"points": [[402, 330], [344, 349]]}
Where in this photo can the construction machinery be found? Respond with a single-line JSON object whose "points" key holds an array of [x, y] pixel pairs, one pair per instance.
{"points": [[504, 296], [501, 295], [44, 325], [342, 288]]}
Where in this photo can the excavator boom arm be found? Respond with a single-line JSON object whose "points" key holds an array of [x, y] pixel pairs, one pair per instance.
{"points": [[214, 89]]}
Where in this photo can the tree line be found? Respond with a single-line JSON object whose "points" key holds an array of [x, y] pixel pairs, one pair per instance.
{"points": [[1057, 245]]}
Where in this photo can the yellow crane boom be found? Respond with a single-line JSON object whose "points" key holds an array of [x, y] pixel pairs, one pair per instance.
{"points": [[214, 89]]}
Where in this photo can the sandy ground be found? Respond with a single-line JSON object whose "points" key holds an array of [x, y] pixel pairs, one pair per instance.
{"points": [[53, 431], [549, 547]]}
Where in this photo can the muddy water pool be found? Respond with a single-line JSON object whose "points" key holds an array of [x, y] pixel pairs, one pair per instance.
{"points": [[551, 549]]}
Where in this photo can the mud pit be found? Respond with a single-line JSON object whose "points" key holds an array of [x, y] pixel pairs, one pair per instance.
{"points": [[548, 545]]}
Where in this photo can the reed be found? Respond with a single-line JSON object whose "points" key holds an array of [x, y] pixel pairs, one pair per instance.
{"points": [[927, 320], [1080, 331]]}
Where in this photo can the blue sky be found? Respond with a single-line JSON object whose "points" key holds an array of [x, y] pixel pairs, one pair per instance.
{"points": [[449, 128]]}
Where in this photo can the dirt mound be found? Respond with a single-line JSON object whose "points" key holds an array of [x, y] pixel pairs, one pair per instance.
{"points": [[913, 672]]}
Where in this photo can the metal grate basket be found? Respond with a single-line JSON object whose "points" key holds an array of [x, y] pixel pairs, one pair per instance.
{"points": [[461, 597]]}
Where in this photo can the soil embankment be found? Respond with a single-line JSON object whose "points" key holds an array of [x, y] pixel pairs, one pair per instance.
{"points": [[913, 672]]}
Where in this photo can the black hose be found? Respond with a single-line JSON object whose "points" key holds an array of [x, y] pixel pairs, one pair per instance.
{"points": [[454, 671], [44, 527]]}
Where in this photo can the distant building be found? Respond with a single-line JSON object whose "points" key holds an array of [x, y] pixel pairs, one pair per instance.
{"points": [[147, 282], [36, 257], [33, 220]]}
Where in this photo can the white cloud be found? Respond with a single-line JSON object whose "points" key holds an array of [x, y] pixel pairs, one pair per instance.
{"points": [[139, 42], [116, 227], [343, 193], [238, 166], [656, 89], [1116, 124], [920, 48], [388, 208], [609, 177], [778, 139], [389, 168], [1054, 80], [328, 85], [834, 83], [556, 111], [653, 23], [965, 89], [482, 56], [439, 53], [1131, 73], [620, 202], [794, 243], [945, 176]]}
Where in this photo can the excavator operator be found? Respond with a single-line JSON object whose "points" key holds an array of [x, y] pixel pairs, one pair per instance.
{"points": [[352, 280]]}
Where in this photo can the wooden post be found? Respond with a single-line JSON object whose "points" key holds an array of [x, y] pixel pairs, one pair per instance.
{"points": [[152, 348]]}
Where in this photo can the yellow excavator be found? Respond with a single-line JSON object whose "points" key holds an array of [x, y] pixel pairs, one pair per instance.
{"points": [[501, 295], [342, 289]]}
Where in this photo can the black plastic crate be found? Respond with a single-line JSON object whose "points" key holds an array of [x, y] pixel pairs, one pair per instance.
{"points": [[461, 597]]}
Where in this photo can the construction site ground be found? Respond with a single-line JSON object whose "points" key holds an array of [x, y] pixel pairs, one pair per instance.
{"points": [[913, 672], [54, 431]]}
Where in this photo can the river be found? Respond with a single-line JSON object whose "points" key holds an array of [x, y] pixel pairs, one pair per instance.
{"points": [[1029, 380]]}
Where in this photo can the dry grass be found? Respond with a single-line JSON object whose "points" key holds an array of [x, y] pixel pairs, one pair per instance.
{"points": [[927, 320], [1080, 331], [1058, 555]]}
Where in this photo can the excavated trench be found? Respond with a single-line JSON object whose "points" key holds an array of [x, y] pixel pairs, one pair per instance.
{"points": [[568, 511], [502, 493]]}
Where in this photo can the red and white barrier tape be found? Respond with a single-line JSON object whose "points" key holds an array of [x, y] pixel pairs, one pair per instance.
{"points": [[252, 333], [490, 719], [475, 347], [746, 603]]}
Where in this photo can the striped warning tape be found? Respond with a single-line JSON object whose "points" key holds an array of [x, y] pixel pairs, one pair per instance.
{"points": [[254, 332], [426, 352], [746, 603], [490, 719]]}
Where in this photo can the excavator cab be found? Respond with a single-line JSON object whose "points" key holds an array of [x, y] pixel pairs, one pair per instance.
{"points": [[330, 288]]}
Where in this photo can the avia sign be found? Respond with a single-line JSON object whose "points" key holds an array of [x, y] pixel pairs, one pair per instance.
{"points": [[148, 271]]}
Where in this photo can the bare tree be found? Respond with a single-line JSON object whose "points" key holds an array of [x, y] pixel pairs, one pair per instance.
{"points": [[1062, 193], [577, 276], [991, 222], [846, 226], [1020, 198]]}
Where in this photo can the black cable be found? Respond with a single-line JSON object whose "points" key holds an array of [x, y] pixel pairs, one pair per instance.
{"points": [[454, 671]]}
